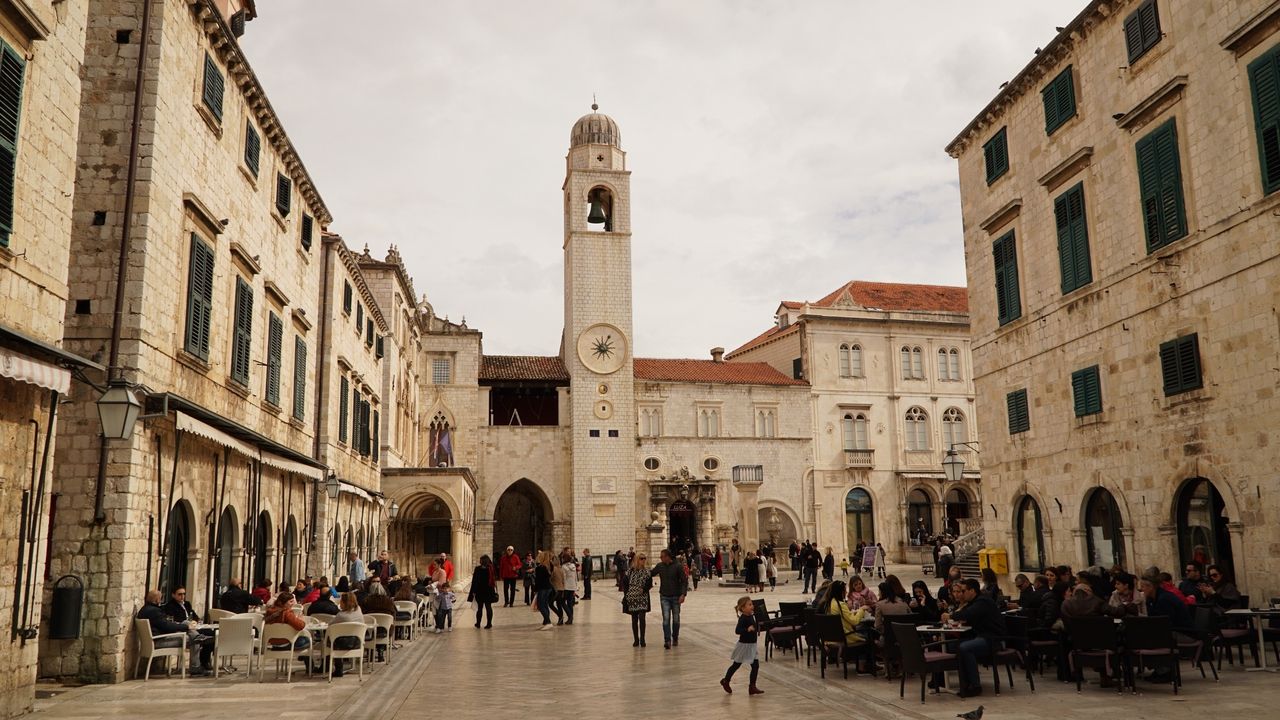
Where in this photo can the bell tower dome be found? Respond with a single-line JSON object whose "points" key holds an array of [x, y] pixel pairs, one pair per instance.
{"points": [[597, 334]]}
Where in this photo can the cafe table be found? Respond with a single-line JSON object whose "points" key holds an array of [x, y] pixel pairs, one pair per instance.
{"points": [[1256, 616]]}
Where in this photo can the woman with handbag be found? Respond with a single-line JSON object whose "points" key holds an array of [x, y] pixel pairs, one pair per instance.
{"points": [[484, 591], [635, 597], [542, 587]]}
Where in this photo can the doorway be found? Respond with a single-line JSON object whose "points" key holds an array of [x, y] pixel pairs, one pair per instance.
{"points": [[682, 525]]}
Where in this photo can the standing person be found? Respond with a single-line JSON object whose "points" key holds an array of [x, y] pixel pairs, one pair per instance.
{"points": [[569, 594], [484, 591], [745, 650], [620, 569], [735, 555], [857, 557], [526, 572], [751, 572], [793, 554], [585, 571], [672, 588], [557, 587], [829, 566], [383, 568], [509, 571], [812, 561], [542, 587], [945, 559], [355, 568], [444, 607], [771, 572], [635, 597]]}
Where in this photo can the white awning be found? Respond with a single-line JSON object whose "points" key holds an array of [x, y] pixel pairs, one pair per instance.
{"points": [[188, 424], [27, 369], [292, 466], [347, 487]]}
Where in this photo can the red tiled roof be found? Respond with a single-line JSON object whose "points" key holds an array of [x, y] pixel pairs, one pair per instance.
{"points": [[764, 337], [710, 371], [522, 367], [898, 296]]}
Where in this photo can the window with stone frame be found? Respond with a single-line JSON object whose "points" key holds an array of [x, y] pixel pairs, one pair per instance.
{"points": [[12, 69], [953, 428], [853, 431], [912, 362], [766, 423], [650, 422], [441, 371], [708, 422], [917, 429]]}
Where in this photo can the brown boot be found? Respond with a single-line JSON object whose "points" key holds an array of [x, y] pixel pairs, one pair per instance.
{"points": [[753, 690]]}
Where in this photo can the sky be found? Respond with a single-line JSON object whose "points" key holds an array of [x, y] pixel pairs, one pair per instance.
{"points": [[777, 149]]}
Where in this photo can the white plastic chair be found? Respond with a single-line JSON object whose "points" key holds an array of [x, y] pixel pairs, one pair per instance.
{"points": [[383, 622], [408, 607], [235, 638], [282, 653], [345, 629], [325, 618], [217, 615], [424, 617], [148, 651]]}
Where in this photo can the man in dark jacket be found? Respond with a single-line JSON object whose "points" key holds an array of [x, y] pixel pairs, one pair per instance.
{"points": [[585, 569], [982, 615], [236, 599], [1161, 602], [163, 624], [812, 560], [323, 603], [672, 588], [383, 568]]}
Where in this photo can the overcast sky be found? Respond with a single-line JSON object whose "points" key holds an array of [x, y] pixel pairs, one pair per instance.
{"points": [[777, 149]]}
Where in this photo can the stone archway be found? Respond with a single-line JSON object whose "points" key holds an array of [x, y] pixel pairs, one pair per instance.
{"points": [[421, 531], [522, 519]]}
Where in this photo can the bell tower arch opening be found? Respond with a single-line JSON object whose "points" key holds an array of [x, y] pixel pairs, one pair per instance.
{"points": [[522, 519]]}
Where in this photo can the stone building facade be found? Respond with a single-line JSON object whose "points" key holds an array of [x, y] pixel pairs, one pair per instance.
{"points": [[1127, 381], [891, 389]]}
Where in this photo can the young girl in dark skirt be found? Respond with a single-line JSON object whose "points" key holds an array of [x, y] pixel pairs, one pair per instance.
{"points": [[744, 651]]}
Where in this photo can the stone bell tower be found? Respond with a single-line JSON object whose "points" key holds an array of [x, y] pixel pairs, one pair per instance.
{"points": [[597, 336]]}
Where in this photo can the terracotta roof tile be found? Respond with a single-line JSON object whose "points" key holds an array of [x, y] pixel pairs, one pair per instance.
{"points": [[522, 367], [899, 296], [710, 371]]}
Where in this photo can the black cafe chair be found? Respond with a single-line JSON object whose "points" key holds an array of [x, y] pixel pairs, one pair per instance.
{"points": [[1149, 642], [1095, 642], [919, 659], [1016, 652]]}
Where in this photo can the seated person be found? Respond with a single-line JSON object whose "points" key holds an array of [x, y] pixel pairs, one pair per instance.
{"points": [[1219, 591], [162, 624], [923, 604], [1191, 579], [1125, 598], [861, 596], [980, 614], [236, 599], [1028, 596], [285, 610], [1081, 602], [323, 604], [348, 611], [179, 610], [1162, 603], [888, 605]]}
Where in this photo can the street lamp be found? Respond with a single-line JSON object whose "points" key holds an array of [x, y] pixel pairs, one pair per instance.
{"points": [[332, 486], [953, 464], [393, 510], [118, 410]]}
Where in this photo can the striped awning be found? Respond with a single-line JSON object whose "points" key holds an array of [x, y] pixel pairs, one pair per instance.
{"points": [[27, 369]]}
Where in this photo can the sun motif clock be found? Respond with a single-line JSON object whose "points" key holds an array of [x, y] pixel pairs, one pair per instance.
{"points": [[602, 348]]}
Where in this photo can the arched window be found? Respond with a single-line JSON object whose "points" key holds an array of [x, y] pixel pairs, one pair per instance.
{"points": [[855, 360], [173, 573], [228, 531], [853, 428], [944, 368], [954, 360], [650, 422], [1202, 526], [917, 363], [843, 354], [335, 550], [440, 438], [957, 508], [953, 430], [905, 354], [709, 422], [290, 547], [917, 429], [1030, 535], [262, 548], [765, 426], [919, 515], [858, 521], [1102, 529]]}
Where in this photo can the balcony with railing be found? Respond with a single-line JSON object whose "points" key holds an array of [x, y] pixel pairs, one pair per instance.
{"points": [[859, 458]]}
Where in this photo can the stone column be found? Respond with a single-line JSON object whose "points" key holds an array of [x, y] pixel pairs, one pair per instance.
{"points": [[749, 507], [657, 536], [1236, 530], [1082, 546]]}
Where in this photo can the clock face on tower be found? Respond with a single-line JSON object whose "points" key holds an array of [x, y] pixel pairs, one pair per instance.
{"points": [[602, 348]]}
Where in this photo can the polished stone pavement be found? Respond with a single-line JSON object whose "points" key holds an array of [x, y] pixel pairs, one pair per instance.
{"points": [[591, 666]]}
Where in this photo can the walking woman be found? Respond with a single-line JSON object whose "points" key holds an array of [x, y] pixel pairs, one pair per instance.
{"points": [[751, 573], [542, 587], [829, 566], [557, 587], [569, 595], [635, 597], [484, 592], [526, 573]]}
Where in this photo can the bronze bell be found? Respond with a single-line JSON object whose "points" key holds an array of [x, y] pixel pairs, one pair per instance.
{"points": [[596, 216]]}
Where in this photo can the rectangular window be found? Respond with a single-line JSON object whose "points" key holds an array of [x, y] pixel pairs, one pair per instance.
{"points": [[1160, 184], [374, 446], [365, 428], [346, 297], [252, 147], [440, 371], [12, 70], [1142, 30], [797, 369], [299, 378], [1073, 239], [306, 231], [613, 433], [284, 194], [368, 333], [1086, 390], [593, 433], [214, 85], [356, 402], [275, 346], [1180, 365], [1264, 81], [242, 339], [996, 155], [359, 318], [343, 388], [378, 347], [199, 298], [1008, 297], [1059, 101], [1019, 419]]}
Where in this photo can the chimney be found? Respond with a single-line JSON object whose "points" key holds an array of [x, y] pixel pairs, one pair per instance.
{"points": [[717, 354]]}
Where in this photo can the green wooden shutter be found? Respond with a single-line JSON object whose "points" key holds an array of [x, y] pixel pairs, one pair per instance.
{"points": [[1180, 365], [1008, 297], [199, 298], [1160, 186], [996, 155], [299, 378], [1059, 98], [1016, 404], [359, 318], [12, 72], [355, 418], [252, 147], [306, 231], [214, 87], [242, 341], [1086, 391], [1264, 82], [374, 447], [1073, 239], [346, 297], [1142, 30], [275, 347], [343, 388], [284, 194], [365, 427], [368, 333]]}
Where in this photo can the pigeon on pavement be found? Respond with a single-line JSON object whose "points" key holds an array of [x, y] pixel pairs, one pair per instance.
{"points": [[972, 714]]}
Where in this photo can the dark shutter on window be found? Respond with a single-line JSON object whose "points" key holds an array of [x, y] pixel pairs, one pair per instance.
{"points": [[343, 388], [242, 340], [797, 368], [214, 87], [1142, 30], [306, 231], [346, 297], [1086, 391], [1073, 239], [284, 194], [359, 318], [364, 428], [378, 346], [1160, 184], [355, 418], [1008, 297], [237, 23], [1264, 81], [299, 378], [374, 447], [199, 298], [368, 333], [12, 71], [1019, 419], [275, 345], [1059, 101], [996, 155], [1180, 365], [252, 147]]}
